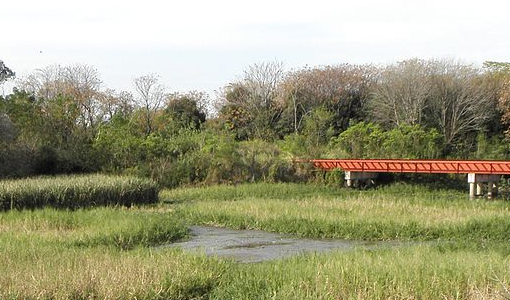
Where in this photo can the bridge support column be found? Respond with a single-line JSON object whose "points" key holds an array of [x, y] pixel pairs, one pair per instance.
{"points": [[490, 186], [479, 189], [352, 178], [479, 180], [472, 193], [495, 189]]}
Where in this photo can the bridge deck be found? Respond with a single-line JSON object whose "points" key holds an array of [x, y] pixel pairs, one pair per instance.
{"points": [[415, 166]]}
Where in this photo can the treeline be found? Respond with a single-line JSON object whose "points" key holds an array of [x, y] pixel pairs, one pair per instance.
{"points": [[62, 119]]}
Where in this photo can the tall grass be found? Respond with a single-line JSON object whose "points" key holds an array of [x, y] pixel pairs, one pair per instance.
{"points": [[118, 228], [104, 273], [105, 253], [100, 253], [280, 191], [395, 212], [76, 191], [418, 272]]}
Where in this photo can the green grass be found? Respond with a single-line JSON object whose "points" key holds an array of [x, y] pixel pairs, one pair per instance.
{"points": [[107, 253], [118, 228], [468, 257], [100, 253], [281, 191], [46, 272], [395, 212], [76, 191], [419, 272]]}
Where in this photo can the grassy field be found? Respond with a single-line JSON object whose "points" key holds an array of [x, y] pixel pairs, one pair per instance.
{"points": [[101, 253], [109, 253], [399, 211], [419, 272]]}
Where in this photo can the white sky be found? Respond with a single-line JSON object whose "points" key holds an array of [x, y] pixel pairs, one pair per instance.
{"points": [[203, 45]]}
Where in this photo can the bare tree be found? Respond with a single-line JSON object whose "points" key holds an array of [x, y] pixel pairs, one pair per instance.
{"points": [[261, 82], [498, 74], [115, 103], [461, 101], [448, 95], [151, 96], [402, 93], [81, 83], [342, 89]]}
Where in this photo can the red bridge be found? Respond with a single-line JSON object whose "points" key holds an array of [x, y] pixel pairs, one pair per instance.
{"points": [[415, 166], [479, 171]]}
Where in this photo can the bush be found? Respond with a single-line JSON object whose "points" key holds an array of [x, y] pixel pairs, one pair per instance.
{"points": [[368, 140], [76, 191], [262, 161]]}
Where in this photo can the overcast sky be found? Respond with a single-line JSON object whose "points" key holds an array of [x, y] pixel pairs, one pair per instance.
{"points": [[203, 45]]}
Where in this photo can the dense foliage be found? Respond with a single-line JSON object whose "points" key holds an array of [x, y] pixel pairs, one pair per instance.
{"points": [[60, 119]]}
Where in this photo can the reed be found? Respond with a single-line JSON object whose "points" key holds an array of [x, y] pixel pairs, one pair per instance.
{"points": [[76, 191]]}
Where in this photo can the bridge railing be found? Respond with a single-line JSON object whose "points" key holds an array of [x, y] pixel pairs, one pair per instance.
{"points": [[415, 166]]}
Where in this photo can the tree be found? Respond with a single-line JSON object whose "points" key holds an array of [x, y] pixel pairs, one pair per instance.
{"points": [[317, 126], [5, 72], [342, 89], [151, 95], [66, 105], [450, 96], [79, 83], [26, 115], [499, 73], [402, 92], [255, 95], [369, 140], [8, 131], [461, 102], [186, 110], [115, 103], [83, 84]]}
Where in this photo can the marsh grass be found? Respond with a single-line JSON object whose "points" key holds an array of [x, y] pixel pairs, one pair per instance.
{"points": [[106, 253], [418, 272], [406, 212], [76, 191], [282, 191], [100, 253], [119, 228], [53, 272]]}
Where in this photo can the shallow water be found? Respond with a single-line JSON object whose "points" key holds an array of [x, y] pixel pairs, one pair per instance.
{"points": [[249, 246]]}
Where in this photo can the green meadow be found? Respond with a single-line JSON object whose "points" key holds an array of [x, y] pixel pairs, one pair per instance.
{"points": [[459, 248]]}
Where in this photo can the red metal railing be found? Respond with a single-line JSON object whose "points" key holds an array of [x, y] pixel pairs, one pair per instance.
{"points": [[414, 166]]}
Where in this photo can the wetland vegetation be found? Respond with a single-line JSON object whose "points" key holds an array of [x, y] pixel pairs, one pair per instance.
{"points": [[108, 253]]}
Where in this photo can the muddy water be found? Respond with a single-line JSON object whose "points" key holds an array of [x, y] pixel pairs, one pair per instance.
{"points": [[255, 246]]}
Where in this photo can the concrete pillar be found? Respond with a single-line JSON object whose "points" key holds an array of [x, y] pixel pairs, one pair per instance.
{"points": [[472, 194], [479, 189], [495, 189], [478, 180], [353, 178], [489, 190]]}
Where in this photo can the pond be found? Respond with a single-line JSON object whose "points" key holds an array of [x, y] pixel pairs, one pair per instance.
{"points": [[248, 246]]}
